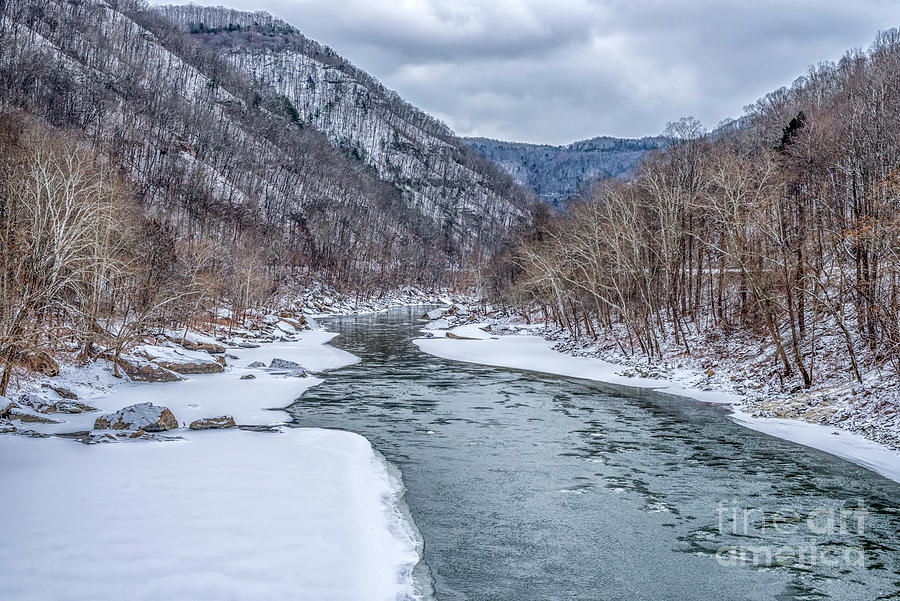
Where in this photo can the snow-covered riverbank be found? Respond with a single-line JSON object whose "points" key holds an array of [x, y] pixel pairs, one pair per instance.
{"points": [[237, 514], [471, 343]]}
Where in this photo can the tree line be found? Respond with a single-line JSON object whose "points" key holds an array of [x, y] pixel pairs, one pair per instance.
{"points": [[783, 226]]}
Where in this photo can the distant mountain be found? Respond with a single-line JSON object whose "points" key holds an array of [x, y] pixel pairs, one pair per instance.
{"points": [[468, 198], [558, 172]]}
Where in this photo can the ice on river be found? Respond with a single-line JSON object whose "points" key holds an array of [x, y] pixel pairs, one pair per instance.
{"points": [[533, 353]]}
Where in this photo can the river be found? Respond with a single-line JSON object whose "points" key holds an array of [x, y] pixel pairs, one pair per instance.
{"points": [[527, 486]]}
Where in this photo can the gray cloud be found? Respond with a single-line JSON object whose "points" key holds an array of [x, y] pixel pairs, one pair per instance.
{"points": [[561, 70]]}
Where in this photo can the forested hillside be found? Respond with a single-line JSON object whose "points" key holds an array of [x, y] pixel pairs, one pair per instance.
{"points": [[150, 177], [775, 242], [558, 173], [465, 196]]}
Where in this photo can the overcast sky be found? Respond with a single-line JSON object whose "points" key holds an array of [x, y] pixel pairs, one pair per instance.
{"points": [[555, 71]]}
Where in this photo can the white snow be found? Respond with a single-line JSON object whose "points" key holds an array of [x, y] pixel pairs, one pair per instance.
{"points": [[533, 353], [302, 514]]}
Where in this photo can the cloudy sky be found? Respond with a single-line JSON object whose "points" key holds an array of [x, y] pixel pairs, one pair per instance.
{"points": [[555, 71]]}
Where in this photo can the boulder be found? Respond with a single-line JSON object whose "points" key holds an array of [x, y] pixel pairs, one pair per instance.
{"points": [[6, 406], [149, 372], [39, 404], [64, 393], [213, 423], [284, 364], [191, 367], [28, 415], [210, 347], [180, 361], [434, 314], [256, 364], [286, 327], [248, 377], [143, 416], [438, 324], [458, 337], [40, 362]]}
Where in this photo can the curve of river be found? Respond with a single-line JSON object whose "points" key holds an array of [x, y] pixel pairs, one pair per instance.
{"points": [[532, 487]]}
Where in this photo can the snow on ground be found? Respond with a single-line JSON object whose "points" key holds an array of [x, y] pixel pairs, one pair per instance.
{"points": [[533, 353], [304, 514], [300, 514]]}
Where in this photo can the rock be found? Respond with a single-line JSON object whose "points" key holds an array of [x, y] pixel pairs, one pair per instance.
{"points": [[248, 377], [29, 415], [213, 423], [458, 337], [35, 402], [143, 416], [286, 327], [149, 372], [710, 373], [439, 324], [210, 347], [40, 362], [72, 407], [6, 406], [192, 367], [256, 365], [299, 324], [64, 393], [284, 364], [180, 361], [232, 357], [434, 314], [42, 405]]}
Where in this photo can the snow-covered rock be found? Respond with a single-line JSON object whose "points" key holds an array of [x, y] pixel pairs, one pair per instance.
{"points": [[213, 423], [143, 416], [40, 362], [284, 364], [141, 370], [28, 415], [43, 405], [179, 360], [471, 331], [256, 365], [438, 324]]}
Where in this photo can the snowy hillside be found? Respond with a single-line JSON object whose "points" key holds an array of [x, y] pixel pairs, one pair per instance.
{"points": [[211, 149], [467, 197]]}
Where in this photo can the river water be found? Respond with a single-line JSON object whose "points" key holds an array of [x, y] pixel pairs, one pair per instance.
{"points": [[532, 487]]}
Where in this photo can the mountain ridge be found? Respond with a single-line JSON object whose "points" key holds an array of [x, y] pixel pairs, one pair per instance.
{"points": [[559, 172], [467, 196]]}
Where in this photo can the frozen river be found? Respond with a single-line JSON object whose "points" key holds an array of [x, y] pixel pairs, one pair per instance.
{"points": [[533, 487]]}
